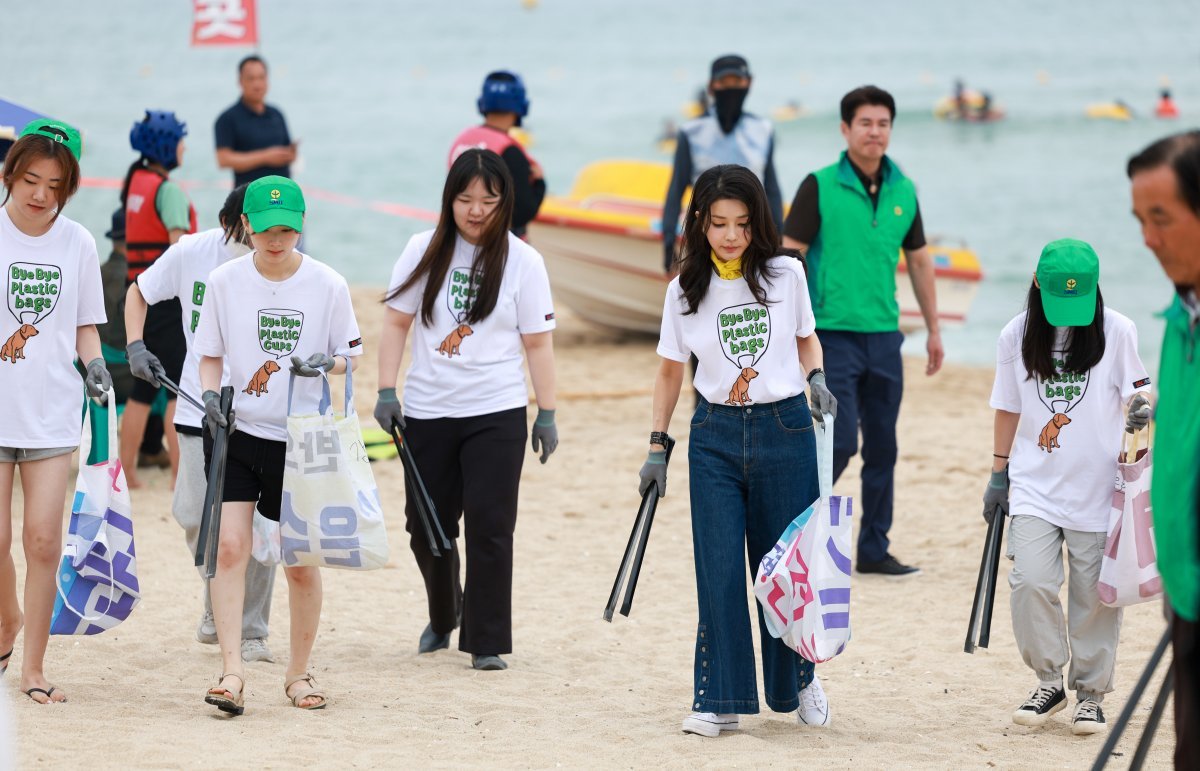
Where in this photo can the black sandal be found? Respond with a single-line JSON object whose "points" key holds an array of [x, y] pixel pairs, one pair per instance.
{"points": [[45, 693], [4, 662]]}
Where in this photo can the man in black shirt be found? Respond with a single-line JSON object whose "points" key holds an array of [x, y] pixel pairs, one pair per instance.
{"points": [[252, 136]]}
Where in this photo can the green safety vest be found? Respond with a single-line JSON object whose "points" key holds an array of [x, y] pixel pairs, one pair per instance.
{"points": [[852, 261], [1175, 490]]}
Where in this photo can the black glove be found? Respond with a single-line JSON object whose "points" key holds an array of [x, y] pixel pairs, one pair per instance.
{"points": [[387, 409], [654, 470], [212, 413], [97, 381], [544, 433], [996, 495], [820, 399], [143, 364], [313, 366]]}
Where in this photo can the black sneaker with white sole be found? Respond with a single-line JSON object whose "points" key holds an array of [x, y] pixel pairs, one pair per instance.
{"points": [[1040, 705], [1089, 719], [888, 566]]}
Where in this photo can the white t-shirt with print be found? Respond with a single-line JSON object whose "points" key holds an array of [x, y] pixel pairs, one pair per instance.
{"points": [[746, 351], [1064, 460], [258, 325], [182, 271], [52, 287], [458, 371]]}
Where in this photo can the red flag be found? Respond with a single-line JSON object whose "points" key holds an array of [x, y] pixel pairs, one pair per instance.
{"points": [[224, 23]]}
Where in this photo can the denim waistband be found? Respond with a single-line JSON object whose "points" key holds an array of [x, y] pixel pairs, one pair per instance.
{"points": [[753, 410]]}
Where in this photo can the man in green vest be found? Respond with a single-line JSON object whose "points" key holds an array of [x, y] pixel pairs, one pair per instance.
{"points": [[1165, 182], [851, 219]]}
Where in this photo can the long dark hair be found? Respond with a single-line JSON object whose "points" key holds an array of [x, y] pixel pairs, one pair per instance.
{"points": [[231, 215], [736, 183], [1084, 345], [491, 253]]}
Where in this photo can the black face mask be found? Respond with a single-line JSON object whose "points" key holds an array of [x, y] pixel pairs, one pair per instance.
{"points": [[728, 103]]}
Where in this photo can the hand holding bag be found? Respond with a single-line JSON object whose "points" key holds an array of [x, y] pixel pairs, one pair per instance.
{"points": [[1129, 567]]}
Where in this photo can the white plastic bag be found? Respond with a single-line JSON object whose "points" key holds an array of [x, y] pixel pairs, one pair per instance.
{"points": [[1129, 568], [803, 583]]}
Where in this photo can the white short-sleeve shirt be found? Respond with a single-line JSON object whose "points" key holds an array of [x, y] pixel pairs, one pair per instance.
{"points": [[182, 271], [52, 287], [461, 370], [258, 325], [746, 351], [1063, 462]]}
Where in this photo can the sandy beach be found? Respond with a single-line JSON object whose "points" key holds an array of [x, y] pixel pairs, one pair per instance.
{"points": [[581, 692]]}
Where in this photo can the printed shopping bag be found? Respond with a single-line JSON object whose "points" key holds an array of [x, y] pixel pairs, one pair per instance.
{"points": [[331, 514], [97, 575], [1129, 568], [803, 583]]}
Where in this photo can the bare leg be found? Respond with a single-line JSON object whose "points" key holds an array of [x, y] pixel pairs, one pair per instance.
{"points": [[11, 619], [172, 438], [228, 586], [44, 485], [304, 599], [133, 426]]}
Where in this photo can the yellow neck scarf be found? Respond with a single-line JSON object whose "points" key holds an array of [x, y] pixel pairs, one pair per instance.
{"points": [[727, 269]]}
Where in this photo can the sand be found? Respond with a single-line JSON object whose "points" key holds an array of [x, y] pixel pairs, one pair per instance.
{"points": [[581, 692]]}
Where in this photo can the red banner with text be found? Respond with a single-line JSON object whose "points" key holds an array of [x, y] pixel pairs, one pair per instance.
{"points": [[224, 23]]}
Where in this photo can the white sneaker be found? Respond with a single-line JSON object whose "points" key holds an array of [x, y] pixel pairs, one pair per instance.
{"points": [[709, 723], [207, 631], [255, 649], [814, 706]]}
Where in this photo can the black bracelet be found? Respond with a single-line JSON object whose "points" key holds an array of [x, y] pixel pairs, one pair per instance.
{"points": [[816, 371], [994, 455], [659, 437]]}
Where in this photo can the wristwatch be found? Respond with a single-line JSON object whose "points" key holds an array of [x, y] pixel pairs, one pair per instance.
{"points": [[659, 437], [816, 371]]}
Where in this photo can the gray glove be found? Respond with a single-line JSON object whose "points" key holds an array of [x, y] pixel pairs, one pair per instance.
{"points": [[545, 434], [996, 495], [820, 400], [387, 409], [1138, 416], [98, 381], [212, 413], [654, 470], [143, 364], [312, 366]]}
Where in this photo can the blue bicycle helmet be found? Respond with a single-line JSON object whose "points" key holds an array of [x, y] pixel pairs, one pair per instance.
{"points": [[157, 137], [503, 91]]}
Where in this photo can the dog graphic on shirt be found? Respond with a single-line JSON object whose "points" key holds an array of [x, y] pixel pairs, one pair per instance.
{"points": [[739, 395], [453, 341], [14, 347], [258, 382], [1048, 439]]}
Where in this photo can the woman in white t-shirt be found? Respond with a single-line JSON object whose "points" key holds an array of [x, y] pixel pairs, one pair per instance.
{"points": [[481, 300], [55, 301], [741, 306], [260, 309], [1066, 368]]}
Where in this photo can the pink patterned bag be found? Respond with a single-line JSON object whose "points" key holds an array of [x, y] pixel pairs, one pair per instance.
{"points": [[1129, 570]]}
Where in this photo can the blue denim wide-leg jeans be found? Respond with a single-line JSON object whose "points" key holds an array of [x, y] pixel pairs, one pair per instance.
{"points": [[753, 469]]}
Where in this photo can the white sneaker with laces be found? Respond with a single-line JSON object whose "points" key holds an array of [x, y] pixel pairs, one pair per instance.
{"points": [[255, 649], [814, 706], [206, 632], [709, 723], [1089, 719]]}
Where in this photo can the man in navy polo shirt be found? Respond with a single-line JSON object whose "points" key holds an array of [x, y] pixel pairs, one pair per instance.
{"points": [[252, 136]]}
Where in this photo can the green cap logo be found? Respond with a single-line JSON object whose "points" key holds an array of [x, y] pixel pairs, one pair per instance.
{"points": [[1071, 286], [275, 195]]}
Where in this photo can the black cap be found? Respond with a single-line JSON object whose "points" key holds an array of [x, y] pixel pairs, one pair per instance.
{"points": [[117, 233], [730, 64]]}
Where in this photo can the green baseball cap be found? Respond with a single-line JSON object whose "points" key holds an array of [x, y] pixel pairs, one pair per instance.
{"points": [[58, 131], [272, 201], [1068, 272]]}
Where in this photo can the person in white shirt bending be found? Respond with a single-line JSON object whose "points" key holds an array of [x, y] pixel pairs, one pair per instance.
{"points": [[481, 298], [181, 273], [1066, 368], [741, 306], [258, 309]]}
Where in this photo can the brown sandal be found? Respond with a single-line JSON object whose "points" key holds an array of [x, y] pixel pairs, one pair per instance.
{"points": [[306, 692], [226, 700]]}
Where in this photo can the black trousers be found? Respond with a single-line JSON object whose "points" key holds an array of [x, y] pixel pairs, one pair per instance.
{"points": [[472, 469], [1187, 694]]}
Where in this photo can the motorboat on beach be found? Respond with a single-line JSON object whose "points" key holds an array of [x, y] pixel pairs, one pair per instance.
{"points": [[603, 249]]}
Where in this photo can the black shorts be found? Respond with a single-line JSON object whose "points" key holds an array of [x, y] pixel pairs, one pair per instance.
{"points": [[253, 471], [163, 335]]}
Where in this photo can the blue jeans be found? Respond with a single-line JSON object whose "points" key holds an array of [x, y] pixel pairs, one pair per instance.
{"points": [[753, 469], [865, 373]]}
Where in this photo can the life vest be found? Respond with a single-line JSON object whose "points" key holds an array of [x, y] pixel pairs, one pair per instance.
{"points": [[146, 236], [483, 138], [1166, 109], [749, 144]]}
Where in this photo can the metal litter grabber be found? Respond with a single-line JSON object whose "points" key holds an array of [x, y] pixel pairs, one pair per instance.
{"points": [[426, 511], [985, 586], [210, 515], [1135, 696], [635, 550], [174, 388]]}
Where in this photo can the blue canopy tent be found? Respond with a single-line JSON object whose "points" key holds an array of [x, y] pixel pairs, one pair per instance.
{"points": [[13, 118]]}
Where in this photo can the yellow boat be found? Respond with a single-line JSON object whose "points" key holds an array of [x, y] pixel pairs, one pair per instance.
{"points": [[604, 253], [1108, 111]]}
